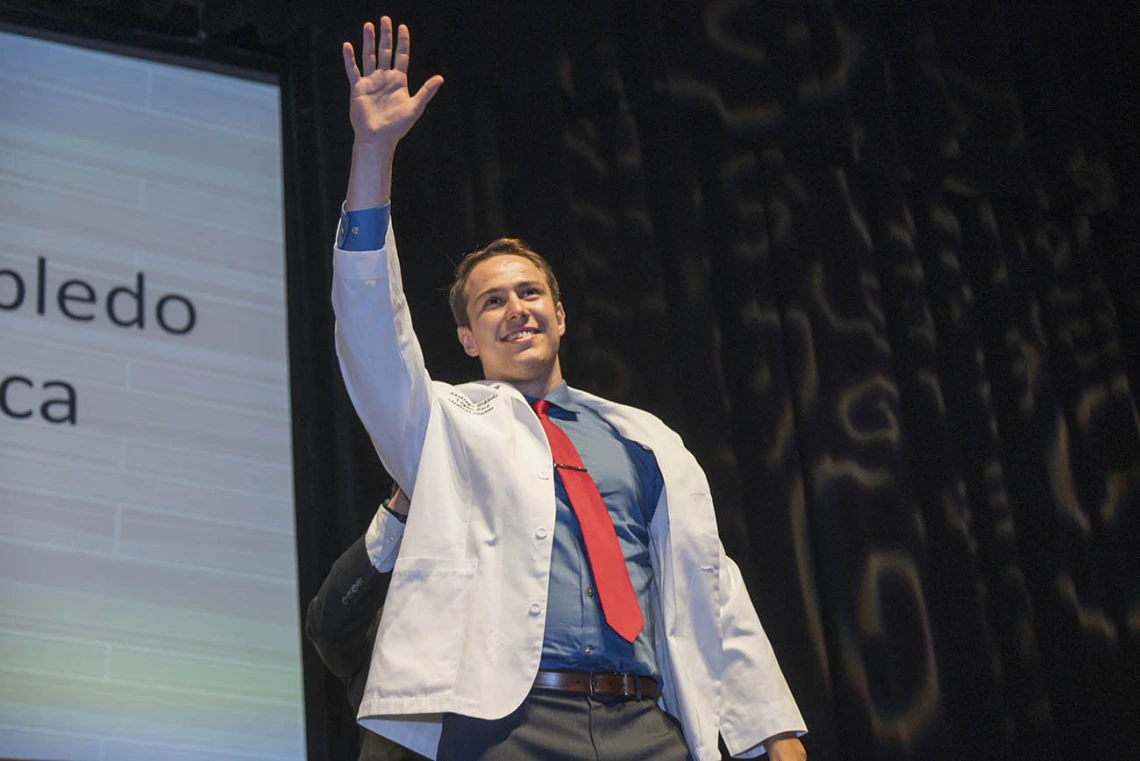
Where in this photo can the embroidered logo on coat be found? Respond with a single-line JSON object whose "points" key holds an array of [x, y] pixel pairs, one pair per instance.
{"points": [[475, 408]]}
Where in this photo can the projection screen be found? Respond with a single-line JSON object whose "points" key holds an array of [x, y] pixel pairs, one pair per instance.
{"points": [[148, 586]]}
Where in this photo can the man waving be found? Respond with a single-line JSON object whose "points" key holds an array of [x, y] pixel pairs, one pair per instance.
{"points": [[560, 591]]}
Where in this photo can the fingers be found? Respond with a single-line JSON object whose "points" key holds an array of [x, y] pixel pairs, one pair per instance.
{"points": [[403, 46], [385, 59], [368, 47], [379, 55], [350, 69]]}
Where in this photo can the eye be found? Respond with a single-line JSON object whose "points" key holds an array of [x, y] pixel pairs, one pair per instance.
{"points": [[532, 290], [492, 301]]}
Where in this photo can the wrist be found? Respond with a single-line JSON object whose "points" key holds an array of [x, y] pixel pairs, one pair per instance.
{"points": [[398, 504], [373, 149], [370, 176], [401, 517], [785, 746]]}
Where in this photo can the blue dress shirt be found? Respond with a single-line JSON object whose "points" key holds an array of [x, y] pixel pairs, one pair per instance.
{"points": [[577, 637]]}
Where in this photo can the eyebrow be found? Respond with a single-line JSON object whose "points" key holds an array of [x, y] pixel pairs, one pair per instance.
{"points": [[500, 289]]}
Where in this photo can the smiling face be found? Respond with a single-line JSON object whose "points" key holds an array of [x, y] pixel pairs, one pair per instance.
{"points": [[514, 325]]}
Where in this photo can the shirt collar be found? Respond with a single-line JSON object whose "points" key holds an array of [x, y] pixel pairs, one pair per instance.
{"points": [[559, 396]]}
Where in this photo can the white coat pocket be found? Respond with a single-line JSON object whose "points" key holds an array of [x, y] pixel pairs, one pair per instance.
{"points": [[420, 638]]}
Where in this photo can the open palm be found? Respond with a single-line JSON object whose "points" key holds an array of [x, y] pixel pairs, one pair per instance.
{"points": [[381, 108]]}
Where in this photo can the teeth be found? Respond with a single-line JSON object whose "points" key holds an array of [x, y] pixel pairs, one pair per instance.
{"points": [[520, 334]]}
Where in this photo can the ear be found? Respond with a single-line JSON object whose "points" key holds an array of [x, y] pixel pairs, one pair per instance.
{"points": [[467, 339], [560, 318]]}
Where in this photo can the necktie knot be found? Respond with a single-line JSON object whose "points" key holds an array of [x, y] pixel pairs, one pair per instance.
{"points": [[541, 407]]}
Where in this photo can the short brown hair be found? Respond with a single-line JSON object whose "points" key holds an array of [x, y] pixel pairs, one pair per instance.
{"points": [[457, 295]]}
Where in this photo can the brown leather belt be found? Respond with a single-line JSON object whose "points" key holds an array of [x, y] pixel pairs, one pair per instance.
{"points": [[601, 684]]}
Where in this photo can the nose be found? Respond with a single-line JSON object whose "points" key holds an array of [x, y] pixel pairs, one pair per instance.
{"points": [[516, 307]]}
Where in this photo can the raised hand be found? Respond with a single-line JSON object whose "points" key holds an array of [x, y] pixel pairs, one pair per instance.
{"points": [[381, 108]]}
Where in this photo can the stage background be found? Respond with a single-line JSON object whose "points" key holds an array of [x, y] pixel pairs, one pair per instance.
{"points": [[875, 261]]}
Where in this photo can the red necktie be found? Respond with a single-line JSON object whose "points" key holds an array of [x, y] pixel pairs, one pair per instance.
{"points": [[611, 577]]}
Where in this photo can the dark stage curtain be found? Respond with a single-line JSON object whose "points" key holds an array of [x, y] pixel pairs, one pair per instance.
{"points": [[877, 262]]}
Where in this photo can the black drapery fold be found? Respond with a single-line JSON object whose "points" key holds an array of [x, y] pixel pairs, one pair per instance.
{"points": [[875, 262]]}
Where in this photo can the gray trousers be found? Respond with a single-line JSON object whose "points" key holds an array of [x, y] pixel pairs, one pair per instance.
{"points": [[552, 726]]}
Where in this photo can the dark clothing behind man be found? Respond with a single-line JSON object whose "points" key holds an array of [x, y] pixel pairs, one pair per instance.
{"points": [[341, 623]]}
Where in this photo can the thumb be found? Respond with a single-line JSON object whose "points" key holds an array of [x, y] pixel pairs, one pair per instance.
{"points": [[424, 95]]}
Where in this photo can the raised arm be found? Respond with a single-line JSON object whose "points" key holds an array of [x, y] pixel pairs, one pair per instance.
{"points": [[380, 357]]}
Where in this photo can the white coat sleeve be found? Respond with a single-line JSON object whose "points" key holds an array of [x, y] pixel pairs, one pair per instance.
{"points": [[380, 357], [757, 703]]}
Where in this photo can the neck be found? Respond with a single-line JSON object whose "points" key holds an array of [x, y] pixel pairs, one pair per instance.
{"points": [[536, 388]]}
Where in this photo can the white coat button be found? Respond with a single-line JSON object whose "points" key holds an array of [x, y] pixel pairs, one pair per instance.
{"points": [[540, 532], [544, 473], [535, 609]]}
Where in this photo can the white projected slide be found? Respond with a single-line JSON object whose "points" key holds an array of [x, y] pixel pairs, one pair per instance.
{"points": [[148, 593]]}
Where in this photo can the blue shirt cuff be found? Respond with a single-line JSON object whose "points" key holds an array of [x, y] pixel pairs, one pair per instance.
{"points": [[363, 229]]}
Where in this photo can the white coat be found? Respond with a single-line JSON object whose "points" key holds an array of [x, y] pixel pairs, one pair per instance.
{"points": [[462, 628]]}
